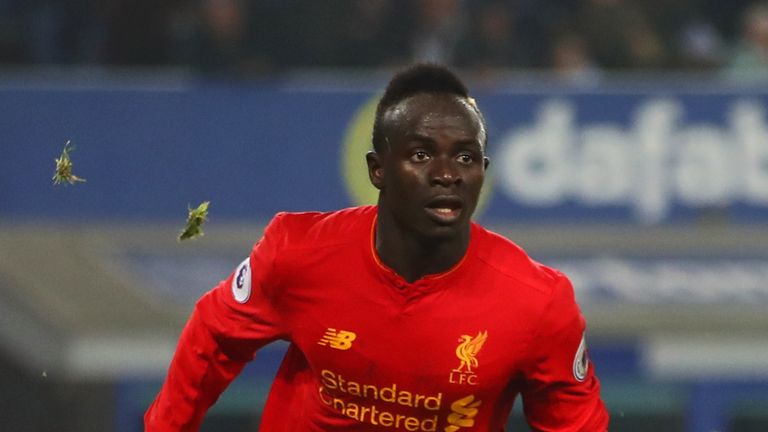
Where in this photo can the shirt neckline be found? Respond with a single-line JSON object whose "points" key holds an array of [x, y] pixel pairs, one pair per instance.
{"points": [[426, 281]]}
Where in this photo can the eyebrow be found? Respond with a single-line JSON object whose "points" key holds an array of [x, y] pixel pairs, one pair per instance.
{"points": [[418, 137], [415, 136], [472, 143]]}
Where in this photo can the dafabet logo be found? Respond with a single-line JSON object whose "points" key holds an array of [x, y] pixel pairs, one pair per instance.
{"points": [[467, 352], [340, 340]]}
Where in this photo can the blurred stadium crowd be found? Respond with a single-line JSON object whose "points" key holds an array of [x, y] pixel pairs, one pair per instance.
{"points": [[576, 38]]}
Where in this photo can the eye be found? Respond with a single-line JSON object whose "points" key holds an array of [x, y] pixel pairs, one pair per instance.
{"points": [[466, 158], [419, 156]]}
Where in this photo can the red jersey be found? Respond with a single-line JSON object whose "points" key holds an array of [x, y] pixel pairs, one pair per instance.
{"points": [[370, 351]]}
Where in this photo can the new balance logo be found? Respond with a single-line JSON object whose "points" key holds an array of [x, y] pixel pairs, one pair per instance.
{"points": [[463, 415], [340, 340]]}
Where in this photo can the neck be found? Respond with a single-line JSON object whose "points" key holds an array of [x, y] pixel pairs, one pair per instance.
{"points": [[413, 256]]}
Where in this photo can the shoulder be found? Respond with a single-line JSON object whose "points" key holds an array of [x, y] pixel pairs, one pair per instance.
{"points": [[321, 229], [545, 294], [509, 261]]}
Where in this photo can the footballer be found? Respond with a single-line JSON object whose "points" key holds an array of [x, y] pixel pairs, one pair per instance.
{"points": [[403, 316]]}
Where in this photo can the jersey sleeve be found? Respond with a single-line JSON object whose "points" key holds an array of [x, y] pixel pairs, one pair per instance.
{"points": [[561, 392], [227, 326]]}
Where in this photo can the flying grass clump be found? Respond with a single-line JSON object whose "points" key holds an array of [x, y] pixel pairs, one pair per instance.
{"points": [[195, 220], [63, 173]]}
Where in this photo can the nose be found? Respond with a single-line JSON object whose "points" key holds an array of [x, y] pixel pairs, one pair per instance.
{"points": [[444, 173]]}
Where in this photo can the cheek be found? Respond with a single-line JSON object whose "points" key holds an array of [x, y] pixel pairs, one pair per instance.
{"points": [[406, 176], [475, 177], [474, 182]]}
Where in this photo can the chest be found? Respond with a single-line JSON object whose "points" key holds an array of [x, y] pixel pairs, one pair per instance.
{"points": [[363, 335]]}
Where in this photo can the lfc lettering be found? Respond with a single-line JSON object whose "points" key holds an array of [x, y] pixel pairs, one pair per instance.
{"points": [[462, 378]]}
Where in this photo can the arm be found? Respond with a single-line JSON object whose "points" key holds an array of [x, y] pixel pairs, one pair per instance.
{"points": [[227, 326], [562, 392]]}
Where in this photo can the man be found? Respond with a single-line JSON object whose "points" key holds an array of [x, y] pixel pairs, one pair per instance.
{"points": [[402, 316]]}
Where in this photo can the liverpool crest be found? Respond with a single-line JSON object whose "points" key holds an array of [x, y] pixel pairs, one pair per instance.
{"points": [[466, 352]]}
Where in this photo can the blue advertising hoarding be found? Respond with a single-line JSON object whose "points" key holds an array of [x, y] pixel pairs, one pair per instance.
{"points": [[641, 156]]}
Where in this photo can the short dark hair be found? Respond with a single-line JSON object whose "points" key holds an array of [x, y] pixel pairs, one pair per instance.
{"points": [[419, 78]]}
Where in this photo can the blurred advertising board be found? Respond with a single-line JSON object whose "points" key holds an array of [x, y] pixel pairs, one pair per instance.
{"points": [[646, 155]]}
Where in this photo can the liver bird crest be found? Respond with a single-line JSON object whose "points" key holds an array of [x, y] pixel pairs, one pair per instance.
{"points": [[468, 349]]}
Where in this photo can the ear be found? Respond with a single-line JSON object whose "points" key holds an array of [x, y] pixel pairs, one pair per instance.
{"points": [[375, 169], [486, 162]]}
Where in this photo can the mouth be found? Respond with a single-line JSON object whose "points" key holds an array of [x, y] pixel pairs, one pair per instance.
{"points": [[445, 209]]}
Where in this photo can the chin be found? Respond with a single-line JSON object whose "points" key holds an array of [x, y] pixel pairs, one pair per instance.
{"points": [[444, 232]]}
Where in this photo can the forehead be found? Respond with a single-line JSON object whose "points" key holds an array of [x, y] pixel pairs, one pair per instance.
{"points": [[434, 114]]}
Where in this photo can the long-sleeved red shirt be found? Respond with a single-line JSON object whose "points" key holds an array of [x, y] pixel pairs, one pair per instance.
{"points": [[370, 351]]}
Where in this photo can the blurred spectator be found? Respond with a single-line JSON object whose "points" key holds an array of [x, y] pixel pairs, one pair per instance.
{"points": [[11, 32], [749, 61], [620, 35], [492, 39], [439, 25], [299, 33], [224, 36], [541, 23], [48, 22], [375, 33], [183, 33], [572, 61], [693, 40], [51, 31], [699, 46], [725, 16], [223, 26], [137, 32]]}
